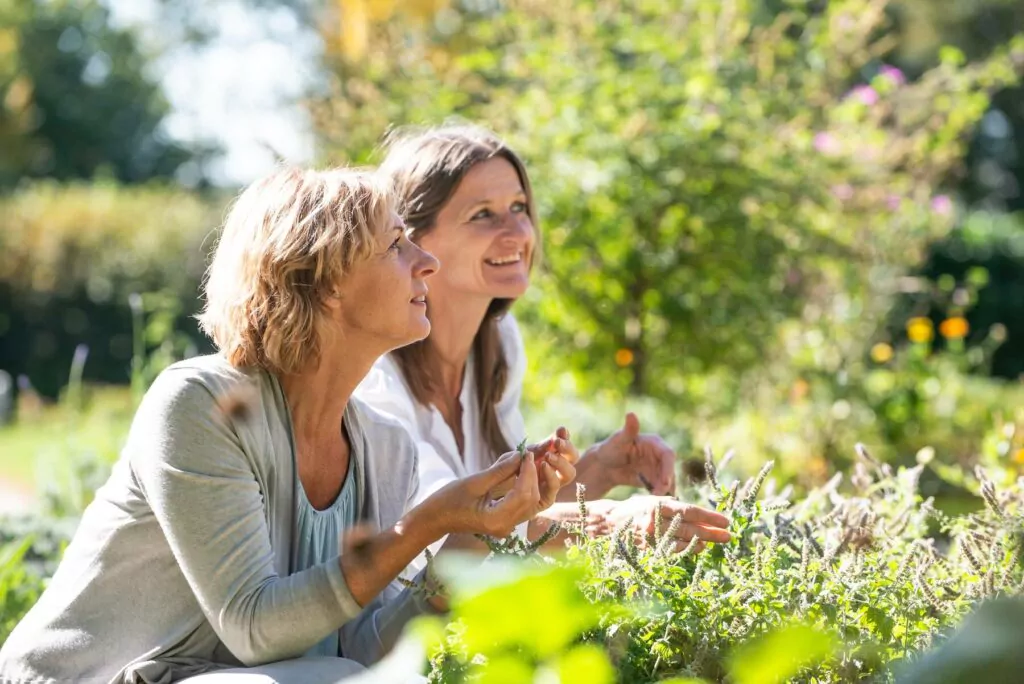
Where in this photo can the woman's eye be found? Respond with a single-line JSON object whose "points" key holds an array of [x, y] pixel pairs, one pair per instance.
{"points": [[483, 213], [518, 207], [395, 246]]}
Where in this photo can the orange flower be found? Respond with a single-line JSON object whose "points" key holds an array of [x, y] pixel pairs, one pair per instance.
{"points": [[954, 328], [799, 390], [919, 329], [881, 352], [1018, 457], [624, 357]]}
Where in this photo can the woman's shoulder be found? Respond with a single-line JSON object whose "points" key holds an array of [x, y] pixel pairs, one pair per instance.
{"points": [[379, 426], [385, 392], [202, 382], [206, 395]]}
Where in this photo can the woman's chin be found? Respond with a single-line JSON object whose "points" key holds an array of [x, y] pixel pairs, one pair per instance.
{"points": [[513, 289], [419, 330]]}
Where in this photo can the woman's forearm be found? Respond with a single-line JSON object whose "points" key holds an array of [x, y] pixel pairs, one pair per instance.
{"points": [[589, 474], [372, 565]]}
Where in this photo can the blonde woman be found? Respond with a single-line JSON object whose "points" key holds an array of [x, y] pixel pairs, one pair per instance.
{"points": [[468, 200], [213, 551]]}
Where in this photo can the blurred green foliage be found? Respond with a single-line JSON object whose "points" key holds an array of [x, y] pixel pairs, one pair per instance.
{"points": [[77, 98], [987, 248], [848, 583], [70, 256], [731, 209], [700, 186]]}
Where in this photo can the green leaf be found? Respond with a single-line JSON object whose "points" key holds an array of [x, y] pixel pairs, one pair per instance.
{"points": [[777, 656], [951, 55], [585, 664], [539, 609], [503, 668]]}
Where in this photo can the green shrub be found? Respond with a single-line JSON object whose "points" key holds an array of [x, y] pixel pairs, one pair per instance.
{"points": [[872, 564], [714, 178], [70, 256], [30, 550]]}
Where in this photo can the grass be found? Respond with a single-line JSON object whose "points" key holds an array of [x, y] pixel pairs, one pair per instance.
{"points": [[46, 439]]}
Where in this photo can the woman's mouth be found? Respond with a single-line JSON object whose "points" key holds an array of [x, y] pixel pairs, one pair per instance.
{"points": [[505, 260]]}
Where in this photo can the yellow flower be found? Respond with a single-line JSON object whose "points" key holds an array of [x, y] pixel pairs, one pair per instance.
{"points": [[881, 352], [919, 329], [954, 328], [624, 357], [1018, 457]]}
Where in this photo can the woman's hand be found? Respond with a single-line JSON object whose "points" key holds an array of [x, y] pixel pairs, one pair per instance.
{"points": [[628, 457], [559, 452], [493, 501], [639, 513], [557, 448]]}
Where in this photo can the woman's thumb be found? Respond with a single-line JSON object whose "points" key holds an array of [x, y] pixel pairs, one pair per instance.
{"points": [[504, 468], [632, 427]]}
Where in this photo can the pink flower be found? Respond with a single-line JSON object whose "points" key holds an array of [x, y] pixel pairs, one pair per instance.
{"points": [[893, 202], [893, 74], [843, 191], [942, 205], [826, 143], [866, 94]]}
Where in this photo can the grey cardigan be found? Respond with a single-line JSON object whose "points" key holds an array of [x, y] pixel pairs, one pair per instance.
{"points": [[182, 563]]}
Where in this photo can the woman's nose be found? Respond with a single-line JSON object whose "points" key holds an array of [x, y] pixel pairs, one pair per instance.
{"points": [[427, 263], [518, 225]]}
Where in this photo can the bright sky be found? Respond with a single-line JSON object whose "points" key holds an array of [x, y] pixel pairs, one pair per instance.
{"points": [[240, 90]]}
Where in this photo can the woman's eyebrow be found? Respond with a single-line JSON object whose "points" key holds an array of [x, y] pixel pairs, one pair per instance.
{"points": [[488, 200]]}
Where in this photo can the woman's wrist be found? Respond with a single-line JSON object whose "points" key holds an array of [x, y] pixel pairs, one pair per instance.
{"points": [[590, 474], [421, 528]]}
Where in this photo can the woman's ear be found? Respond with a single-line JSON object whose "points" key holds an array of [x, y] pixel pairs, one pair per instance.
{"points": [[333, 300]]}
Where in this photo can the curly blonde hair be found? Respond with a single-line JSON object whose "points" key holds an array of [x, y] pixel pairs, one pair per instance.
{"points": [[284, 248]]}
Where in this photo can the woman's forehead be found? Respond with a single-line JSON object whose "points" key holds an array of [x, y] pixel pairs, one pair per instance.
{"points": [[488, 179]]}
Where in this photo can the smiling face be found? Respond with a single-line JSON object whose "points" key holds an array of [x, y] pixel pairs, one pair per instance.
{"points": [[382, 300], [484, 236]]}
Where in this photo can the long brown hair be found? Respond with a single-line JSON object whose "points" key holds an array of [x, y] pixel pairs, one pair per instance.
{"points": [[426, 166]]}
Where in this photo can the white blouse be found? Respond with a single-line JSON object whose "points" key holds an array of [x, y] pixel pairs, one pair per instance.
{"points": [[440, 462]]}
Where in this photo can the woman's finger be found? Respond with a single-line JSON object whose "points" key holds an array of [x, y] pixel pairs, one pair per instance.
{"points": [[565, 470], [567, 450], [526, 488], [656, 468], [681, 545], [549, 486], [503, 469], [692, 514], [708, 534], [667, 462]]}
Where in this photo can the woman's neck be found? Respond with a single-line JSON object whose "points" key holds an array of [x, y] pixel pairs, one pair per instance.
{"points": [[317, 396], [454, 322]]}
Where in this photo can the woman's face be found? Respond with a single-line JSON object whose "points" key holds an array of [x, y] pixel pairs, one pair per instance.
{"points": [[382, 300], [484, 236]]}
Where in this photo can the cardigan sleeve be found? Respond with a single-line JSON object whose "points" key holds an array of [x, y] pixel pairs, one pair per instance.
{"points": [[202, 488]]}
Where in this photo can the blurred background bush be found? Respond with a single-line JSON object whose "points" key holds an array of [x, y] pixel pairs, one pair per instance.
{"points": [[775, 225]]}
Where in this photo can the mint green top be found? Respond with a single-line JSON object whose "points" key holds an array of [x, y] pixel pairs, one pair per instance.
{"points": [[318, 533]]}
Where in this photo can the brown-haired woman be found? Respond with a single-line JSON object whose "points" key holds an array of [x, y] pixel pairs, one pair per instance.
{"points": [[468, 199], [214, 550]]}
